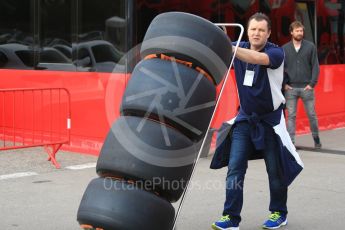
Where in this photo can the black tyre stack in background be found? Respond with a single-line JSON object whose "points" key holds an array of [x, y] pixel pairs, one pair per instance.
{"points": [[149, 153]]}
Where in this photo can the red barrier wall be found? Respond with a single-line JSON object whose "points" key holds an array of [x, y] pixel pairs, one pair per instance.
{"points": [[330, 100], [96, 97], [228, 104]]}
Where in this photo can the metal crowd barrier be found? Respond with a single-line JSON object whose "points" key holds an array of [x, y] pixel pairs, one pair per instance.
{"points": [[32, 117]]}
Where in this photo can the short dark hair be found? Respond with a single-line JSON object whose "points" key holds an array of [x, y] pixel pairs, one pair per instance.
{"points": [[296, 24], [259, 17]]}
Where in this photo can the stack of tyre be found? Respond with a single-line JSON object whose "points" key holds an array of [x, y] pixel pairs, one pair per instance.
{"points": [[149, 153]]}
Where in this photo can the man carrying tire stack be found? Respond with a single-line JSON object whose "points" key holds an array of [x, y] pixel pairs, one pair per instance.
{"points": [[259, 128]]}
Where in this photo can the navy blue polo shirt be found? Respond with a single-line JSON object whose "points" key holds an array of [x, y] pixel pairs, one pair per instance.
{"points": [[265, 95]]}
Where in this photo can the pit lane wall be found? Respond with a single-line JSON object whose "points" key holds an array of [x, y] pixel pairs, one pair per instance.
{"points": [[90, 101]]}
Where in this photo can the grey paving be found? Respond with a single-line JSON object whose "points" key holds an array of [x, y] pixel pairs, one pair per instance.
{"points": [[50, 199]]}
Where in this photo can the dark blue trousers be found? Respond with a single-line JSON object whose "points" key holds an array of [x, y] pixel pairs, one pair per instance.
{"points": [[241, 148]]}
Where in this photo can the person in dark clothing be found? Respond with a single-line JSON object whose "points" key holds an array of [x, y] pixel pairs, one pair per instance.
{"points": [[301, 76]]}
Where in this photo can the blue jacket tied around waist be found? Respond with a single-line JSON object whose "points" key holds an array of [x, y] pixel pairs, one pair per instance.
{"points": [[290, 163]]}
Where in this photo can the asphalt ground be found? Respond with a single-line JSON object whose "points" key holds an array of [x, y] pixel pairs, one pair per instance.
{"points": [[35, 195]]}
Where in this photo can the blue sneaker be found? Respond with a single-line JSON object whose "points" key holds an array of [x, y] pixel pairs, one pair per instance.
{"points": [[276, 220], [225, 223]]}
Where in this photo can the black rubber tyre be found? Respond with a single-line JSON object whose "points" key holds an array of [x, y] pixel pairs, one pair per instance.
{"points": [[116, 205], [171, 93], [147, 157], [191, 38]]}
